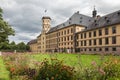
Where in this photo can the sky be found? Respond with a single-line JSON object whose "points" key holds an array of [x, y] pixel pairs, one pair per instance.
{"points": [[25, 15]]}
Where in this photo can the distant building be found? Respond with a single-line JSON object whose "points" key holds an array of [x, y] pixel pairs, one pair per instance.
{"points": [[81, 34]]}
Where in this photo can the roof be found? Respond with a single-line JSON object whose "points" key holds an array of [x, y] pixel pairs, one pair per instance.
{"points": [[32, 41], [90, 22], [46, 17], [76, 18], [107, 20]]}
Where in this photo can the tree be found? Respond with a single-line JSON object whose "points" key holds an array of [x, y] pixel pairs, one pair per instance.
{"points": [[4, 45], [5, 30], [13, 46], [22, 47]]}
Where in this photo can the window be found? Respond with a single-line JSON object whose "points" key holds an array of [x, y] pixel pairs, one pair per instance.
{"points": [[100, 49], [80, 21], [68, 43], [84, 43], [113, 49], [113, 30], [90, 42], [106, 40], [69, 22], [106, 31], [68, 31], [114, 40], [68, 38], [71, 37], [90, 50], [81, 36], [58, 39], [89, 34], [77, 36], [94, 33], [80, 17], [100, 41], [59, 33], [64, 32], [77, 43], [100, 32], [85, 49], [94, 41], [106, 49], [71, 30], [64, 38], [81, 43], [84, 35], [64, 43], [63, 24], [94, 49]]}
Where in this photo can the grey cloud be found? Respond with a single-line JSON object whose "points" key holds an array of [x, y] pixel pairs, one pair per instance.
{"points": [[25, 15]]}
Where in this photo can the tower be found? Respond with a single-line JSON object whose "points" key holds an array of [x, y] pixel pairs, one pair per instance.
{"points": [[94, 12], [46, 24]]}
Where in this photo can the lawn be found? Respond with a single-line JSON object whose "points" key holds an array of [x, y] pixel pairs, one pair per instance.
{"points": [[4, 74], [71, 59], [74, 60]]}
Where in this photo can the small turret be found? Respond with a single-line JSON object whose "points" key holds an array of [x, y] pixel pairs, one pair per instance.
{"points": [[94, 13]]}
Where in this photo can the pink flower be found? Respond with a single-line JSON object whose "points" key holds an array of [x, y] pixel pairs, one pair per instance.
{"points": [[101, 71], [93, 63]]}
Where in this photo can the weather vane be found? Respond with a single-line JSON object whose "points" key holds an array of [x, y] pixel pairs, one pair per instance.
{"points": [[45, 11]]}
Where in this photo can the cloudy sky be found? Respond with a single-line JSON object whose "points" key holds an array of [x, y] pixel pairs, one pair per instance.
{"points": [[25, 15]]}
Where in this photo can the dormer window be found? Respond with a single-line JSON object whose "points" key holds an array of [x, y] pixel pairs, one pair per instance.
{"points": [[63, 24], [70, 19], [106, 18], [69, 22], [96, 24], [118, 13], [108, 21], [95, 20], [80, 21], [80, 17]]}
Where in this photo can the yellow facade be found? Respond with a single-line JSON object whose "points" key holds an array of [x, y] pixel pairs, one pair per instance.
{"points": [[100, 41], [33, 46], [91, 35]]}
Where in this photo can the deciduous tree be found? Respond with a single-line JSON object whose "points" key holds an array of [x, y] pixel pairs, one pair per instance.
{"points": [[5, 30]]}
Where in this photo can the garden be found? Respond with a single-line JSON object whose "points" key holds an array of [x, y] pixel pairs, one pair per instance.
{"points": [[59, 66]]}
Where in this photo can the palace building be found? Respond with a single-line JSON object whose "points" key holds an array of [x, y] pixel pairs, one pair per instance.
{"points": [[80, 34]]}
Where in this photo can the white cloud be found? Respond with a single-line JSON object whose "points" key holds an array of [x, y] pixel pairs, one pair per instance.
{"points": [[25, 15]]}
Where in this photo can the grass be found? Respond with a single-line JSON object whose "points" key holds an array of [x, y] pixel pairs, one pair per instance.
{"points": [[4, 74], [69, 59]]}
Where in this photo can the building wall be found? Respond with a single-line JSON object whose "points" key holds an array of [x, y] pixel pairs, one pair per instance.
{"points": [[43, 43], [62, 39], [83, 40], [51, 42], [39, 43], [33, 47]]}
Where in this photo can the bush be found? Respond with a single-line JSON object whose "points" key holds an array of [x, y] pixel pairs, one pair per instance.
{"points": [[17, 65], [55, 70], [112, 69], [106, 70]]}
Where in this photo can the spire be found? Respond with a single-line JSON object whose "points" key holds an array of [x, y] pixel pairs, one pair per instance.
{"points": [[94, 13]]}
